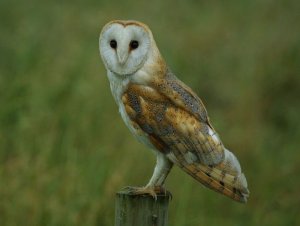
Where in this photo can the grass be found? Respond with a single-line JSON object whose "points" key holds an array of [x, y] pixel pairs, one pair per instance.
{"points": [[64, 150]]}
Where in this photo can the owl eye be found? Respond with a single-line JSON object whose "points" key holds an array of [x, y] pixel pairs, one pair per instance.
{"points": [[134, 44], [113, 44]]}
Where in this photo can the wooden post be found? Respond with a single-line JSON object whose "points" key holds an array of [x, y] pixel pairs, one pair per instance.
{"points": [[141, 210]]}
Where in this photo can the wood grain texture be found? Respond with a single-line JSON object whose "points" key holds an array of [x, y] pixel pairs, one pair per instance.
{"points": [[141, 210]]}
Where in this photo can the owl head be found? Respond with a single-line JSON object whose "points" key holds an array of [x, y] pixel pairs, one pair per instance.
{"points": [[125, 46]]}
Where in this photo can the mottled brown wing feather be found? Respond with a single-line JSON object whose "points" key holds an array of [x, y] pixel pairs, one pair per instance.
{"points": [[184, 135], [181, 95], [178, 117]]}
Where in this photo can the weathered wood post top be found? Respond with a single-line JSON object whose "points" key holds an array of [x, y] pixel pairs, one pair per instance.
{"points": [[141, 210]]}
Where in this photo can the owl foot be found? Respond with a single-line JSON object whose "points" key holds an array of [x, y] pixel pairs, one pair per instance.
{"points": [[148, 190], [162, 190]]}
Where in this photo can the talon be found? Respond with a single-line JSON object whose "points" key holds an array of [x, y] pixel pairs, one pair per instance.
{"points": [[127, 188], [150, 190], [164, 191], [170, 196], [153, 194], [142, 191]]}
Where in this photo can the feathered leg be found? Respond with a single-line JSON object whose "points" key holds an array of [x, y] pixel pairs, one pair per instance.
{"points": [[155, 185]]}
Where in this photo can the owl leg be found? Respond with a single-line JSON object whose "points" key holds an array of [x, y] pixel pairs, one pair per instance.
{"points": [[161, 171], [155, 185]]}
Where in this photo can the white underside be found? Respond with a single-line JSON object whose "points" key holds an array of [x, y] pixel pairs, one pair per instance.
{"points": [[118, 85]]}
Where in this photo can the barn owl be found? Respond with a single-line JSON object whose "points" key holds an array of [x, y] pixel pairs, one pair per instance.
{"points": [[164, 113]]}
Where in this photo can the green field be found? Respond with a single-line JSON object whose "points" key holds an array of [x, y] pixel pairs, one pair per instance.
{"points": [[64, 150]]}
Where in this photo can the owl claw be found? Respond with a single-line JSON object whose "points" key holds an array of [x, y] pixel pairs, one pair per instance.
{"points": [[148, 190], [141, 191], [163, 190]]}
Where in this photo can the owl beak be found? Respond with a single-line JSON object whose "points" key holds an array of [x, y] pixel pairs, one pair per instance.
{"points": [[122, 56]]}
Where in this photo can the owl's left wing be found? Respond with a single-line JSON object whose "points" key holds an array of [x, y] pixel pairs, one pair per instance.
{"points": [[184, 135], [171, 126]]}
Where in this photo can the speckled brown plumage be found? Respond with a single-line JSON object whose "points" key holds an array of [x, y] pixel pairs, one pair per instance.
{"points": [[176, 122]]}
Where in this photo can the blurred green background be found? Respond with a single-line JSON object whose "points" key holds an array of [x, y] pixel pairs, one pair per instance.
{"points": [[64, 150]]}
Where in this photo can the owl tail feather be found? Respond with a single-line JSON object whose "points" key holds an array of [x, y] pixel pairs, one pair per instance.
{"points": [[225, 178]]}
